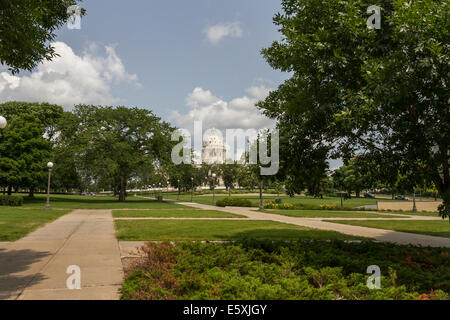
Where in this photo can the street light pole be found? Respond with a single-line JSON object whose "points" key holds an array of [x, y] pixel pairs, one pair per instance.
{"points": [[168, 189], [49, 166], [214, 189], [192, 189]]}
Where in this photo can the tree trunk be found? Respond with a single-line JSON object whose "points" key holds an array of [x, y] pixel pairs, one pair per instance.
{"points": [[9, 190], [123, 187], [31, 193]]}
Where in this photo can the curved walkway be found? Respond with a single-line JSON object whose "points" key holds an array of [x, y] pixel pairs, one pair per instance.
{"points": [[318, 223]]}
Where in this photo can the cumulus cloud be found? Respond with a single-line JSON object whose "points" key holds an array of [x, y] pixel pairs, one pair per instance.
{"points": [[70, 79], [216, 33], [238, 113], [213, 112]]}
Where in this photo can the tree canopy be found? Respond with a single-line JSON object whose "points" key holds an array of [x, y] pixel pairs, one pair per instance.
{"points": [[113, 143], [26, 144], [27, 27], [355, 90]]}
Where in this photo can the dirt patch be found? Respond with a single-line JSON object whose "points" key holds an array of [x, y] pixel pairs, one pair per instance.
{"points": [[428, 206]]}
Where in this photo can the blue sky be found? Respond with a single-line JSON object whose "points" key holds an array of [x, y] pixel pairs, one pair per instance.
{"points": [[164, 43], [185, 60]]}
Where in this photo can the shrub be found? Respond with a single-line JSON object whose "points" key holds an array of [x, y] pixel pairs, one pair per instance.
{"points": [[281, 206], [14, 201], [315, 270], [328, 207], [233, 202]]}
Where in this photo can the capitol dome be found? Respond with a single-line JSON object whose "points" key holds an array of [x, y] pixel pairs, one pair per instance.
{"points": [[213, 149]]}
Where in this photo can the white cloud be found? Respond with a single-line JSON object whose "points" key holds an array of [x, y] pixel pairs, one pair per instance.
{"points": [[217, 32], [69, 79], [238, 113]]}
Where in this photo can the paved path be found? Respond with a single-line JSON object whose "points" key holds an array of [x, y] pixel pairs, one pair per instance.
{"points": [[34, 267], [318, 223]]}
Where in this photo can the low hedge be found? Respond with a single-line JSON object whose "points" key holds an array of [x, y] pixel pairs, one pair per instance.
{"points": [[233, 202], [277, 270], [13, 201]]}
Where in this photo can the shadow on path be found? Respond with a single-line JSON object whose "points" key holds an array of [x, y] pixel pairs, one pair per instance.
{"points": [[15, 268]]}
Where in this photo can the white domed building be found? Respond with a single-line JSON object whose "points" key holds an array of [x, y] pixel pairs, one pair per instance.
{"points": [[213, 149]]}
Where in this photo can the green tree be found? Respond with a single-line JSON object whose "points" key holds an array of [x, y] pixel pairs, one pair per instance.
{"points": [[26, 143], [114, 143], [229, 173], [27, 27], [357, 90], [357, 175]]}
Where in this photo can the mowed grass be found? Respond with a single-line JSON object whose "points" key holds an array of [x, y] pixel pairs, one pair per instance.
{"points": [[96, 202], [15, 223], [307, 201], [174, 213], [433, 228], [180, 230], [329, 214], [410, 213]]}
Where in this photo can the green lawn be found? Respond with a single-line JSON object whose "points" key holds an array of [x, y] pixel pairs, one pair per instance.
{"points": [[329, 214], [16, 223], [410, 213], [432, 228], [180, 230], [97, 202], [175, 213], [309, 202]]}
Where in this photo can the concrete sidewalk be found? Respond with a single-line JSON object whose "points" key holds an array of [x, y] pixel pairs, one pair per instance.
{"points": [[318, 223], [35, 266]]}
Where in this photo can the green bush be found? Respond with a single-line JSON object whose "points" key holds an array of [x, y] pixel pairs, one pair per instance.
{"points": [[13, 201], [265, 270], [233, 202]]}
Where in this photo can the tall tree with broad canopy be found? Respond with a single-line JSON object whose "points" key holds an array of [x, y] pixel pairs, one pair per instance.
{"points": [[26, 143], [27, 27], [355, 90], [117, 142]]}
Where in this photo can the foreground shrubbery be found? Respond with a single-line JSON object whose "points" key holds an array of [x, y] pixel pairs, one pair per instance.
{"points": [[287, 270], [233, 202], [14, 201]]}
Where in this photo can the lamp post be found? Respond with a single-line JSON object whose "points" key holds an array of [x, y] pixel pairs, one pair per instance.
{"points": [[214, 189], [178, 197], [192, 189], [3, 124], [160, 190], [168, 182], [49, 166]]}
